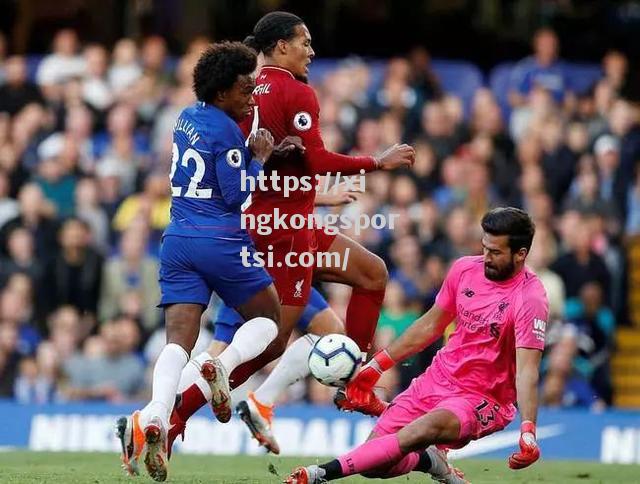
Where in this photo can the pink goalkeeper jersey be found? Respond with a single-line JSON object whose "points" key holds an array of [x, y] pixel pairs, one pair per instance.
{"points": [[493, 318]]}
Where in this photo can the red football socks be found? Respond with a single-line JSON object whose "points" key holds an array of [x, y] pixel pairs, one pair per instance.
{"points": [[362, 316], [191, 401]]}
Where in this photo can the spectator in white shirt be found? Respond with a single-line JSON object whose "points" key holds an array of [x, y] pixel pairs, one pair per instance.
{"points": [[59, 66], [95, 88], [125, 70]]}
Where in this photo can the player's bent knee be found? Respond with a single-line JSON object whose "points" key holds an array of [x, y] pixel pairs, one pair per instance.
{"points": [[370, 273], [419, 435], [412, 438], [375, 274]]}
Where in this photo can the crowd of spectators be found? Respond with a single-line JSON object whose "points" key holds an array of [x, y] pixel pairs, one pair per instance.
{"points": [[85, 149]]}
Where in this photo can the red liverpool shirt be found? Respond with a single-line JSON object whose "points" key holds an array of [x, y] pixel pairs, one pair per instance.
{"points": [[289, 107]]}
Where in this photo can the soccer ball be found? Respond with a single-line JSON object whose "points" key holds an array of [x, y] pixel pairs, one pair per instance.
{"points": [[334, 360]]}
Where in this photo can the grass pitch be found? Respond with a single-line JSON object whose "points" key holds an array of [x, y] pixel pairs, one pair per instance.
{"points": [[98, 468]]}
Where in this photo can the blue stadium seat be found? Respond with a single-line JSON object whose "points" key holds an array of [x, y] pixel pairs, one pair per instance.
{"points": [[320, 68], [378, 69], [583, 76], [499, 85], [33, 61], [459, 78]]}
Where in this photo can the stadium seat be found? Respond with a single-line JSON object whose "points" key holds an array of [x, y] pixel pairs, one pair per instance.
{"points": [[320, 68], [583, 76], [33, 61], [499, 85], [459, 78]]}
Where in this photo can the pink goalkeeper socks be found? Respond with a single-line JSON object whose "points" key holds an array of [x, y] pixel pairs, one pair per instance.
{"points": [[404, 466], [380, 452]]}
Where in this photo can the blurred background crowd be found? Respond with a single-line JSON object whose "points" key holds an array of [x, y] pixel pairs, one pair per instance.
{"points": [[85, 150]]}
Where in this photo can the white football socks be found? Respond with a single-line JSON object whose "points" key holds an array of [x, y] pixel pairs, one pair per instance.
{"points": [[166, 375], [293, 366], [251, 339], [191, 374]]}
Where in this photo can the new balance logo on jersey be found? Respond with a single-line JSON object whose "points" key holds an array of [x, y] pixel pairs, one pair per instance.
{"points": [[298, 291], [468, 292], [302, 121], [539, 328]]}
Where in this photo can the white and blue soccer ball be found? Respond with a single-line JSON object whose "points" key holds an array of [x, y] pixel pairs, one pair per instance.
{"points": [[334, 360]]}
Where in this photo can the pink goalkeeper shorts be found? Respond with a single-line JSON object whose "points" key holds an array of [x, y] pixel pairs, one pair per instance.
{"points": [[478, 415]]}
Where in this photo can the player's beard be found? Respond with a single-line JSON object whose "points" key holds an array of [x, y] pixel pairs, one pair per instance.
{"points": [[304, 79], [500, 273]]}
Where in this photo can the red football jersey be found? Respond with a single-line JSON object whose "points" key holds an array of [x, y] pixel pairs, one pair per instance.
{"points": [[289, 107]]}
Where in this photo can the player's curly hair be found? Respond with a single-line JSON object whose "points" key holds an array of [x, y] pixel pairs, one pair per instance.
{"points": [[219, 67], [513, 222], [270, 29]]}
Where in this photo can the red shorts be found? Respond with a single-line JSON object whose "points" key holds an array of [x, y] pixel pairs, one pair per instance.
{"points": [[292, 280], [478, 415]]}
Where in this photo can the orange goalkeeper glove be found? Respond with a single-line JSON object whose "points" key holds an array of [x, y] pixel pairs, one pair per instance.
{"points": [[358, 394], [529, 450]]}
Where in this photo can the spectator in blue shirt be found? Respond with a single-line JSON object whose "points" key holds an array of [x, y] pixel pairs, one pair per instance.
{"points": [[542, 69]]}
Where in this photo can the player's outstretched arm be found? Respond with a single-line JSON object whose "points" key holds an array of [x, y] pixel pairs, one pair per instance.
{"points": [[527, 375], [305, 123], [398, 156], [424, 331]]}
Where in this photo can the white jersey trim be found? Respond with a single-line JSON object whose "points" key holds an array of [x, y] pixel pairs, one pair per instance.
{"points": [[278, 69]]}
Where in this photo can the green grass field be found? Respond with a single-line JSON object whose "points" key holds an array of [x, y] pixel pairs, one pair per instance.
{"points": [[96, 468]]}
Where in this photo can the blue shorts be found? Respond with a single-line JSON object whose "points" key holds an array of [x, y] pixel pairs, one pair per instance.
{"points": [[191, 268], [228, 320]]}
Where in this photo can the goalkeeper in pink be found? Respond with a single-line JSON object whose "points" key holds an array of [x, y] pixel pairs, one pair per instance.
{"points": [[490, 363]]}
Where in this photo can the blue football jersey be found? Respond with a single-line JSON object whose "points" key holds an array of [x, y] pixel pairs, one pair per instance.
{"points": [[527, 73], [208, 156]]}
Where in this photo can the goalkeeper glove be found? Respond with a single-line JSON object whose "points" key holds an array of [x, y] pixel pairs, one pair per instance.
{"points": [[358, 393], [529, 450]]}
